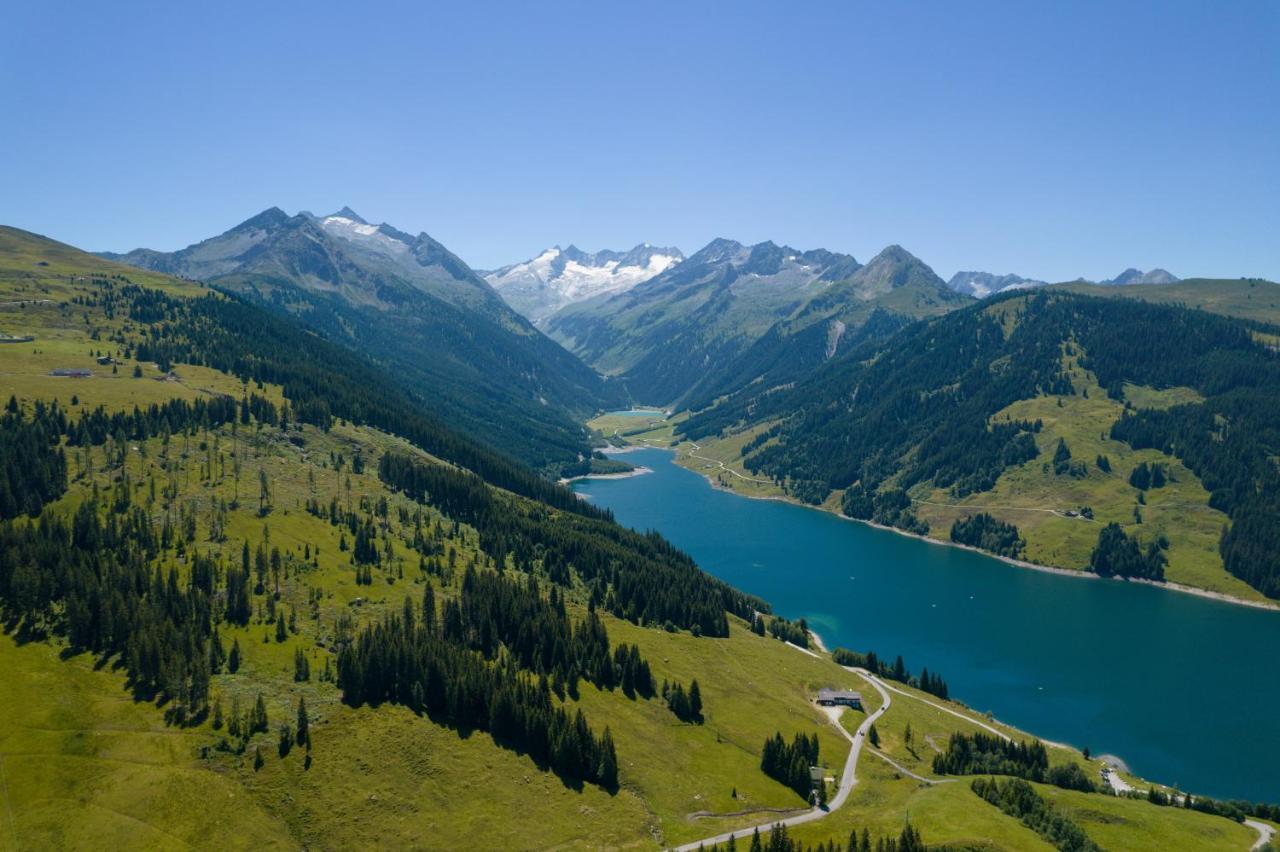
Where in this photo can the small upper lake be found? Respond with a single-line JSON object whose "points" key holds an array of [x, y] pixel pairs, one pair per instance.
{"points": [[1185, 689]]}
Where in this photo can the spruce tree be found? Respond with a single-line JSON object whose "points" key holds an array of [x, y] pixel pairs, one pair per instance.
{"points": [[233, 660], [607, 774], [260, 723], [304, 724]]}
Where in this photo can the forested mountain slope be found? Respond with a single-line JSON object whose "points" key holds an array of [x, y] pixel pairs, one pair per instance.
{"points": [[412, 305], [1064, 406], [254, 598], [894, 288]]}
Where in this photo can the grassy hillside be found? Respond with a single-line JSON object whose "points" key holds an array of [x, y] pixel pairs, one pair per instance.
{"points": [[1246, 298], [89, 756]]}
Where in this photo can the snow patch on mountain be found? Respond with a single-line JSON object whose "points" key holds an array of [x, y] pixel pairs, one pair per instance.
{"points": [[558, 277], [358, 231]]}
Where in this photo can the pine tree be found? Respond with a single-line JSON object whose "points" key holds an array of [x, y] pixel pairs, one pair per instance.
{"points": [[281, 632], [233, 725], [286, 739], [260, 723], [233, 660], [304, 725], [257, 758], [607, 773], [301, 666], [695, 701], [874, 736]]}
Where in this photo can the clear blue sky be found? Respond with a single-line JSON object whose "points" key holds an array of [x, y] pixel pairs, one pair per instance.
{"points": [[1048, 139]]}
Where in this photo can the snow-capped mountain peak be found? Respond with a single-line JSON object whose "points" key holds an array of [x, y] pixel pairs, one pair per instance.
{"points": [[346, 224], [559, 276]]}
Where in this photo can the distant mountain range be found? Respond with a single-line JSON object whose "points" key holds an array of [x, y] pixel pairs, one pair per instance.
{"points": [[1137, 276], [983, 284], [410, 303], [558, 277], [664, 329], [679, 334]]}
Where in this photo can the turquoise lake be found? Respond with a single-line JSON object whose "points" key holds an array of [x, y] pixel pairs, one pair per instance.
{"points": [[1185, 689]]}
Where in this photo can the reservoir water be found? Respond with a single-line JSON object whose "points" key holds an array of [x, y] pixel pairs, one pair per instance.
{"points": [[1185, 689]]}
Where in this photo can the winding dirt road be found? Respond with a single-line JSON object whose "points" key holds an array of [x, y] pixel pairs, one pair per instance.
{"points": [[848, 778], [723, 466]]}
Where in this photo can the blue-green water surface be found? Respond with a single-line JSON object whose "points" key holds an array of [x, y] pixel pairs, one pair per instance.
{"points": [[1185, 689]]}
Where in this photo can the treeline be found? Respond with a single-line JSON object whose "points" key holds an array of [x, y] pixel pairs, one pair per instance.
{"points": [[639, 577], [1228, 441], [94, 580], [1019, 799], [596, 463], [779, 840], [1119, 555], [1237, 809], [891, 508], [795, 632], [96, 427], [412, 660], [33, 468], [985, 532], [789, 763], [987, 754], [929, 682], [494, 612]]}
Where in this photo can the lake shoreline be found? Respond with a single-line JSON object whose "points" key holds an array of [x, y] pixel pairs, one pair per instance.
{"points": [[626, 474], [1168, 585], [863, 590]]}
